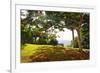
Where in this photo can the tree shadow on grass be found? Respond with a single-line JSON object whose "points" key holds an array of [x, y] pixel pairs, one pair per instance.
{"points": [[56, 53], [46, 53]]}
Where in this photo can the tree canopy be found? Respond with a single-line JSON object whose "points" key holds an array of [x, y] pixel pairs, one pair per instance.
{"points": [[40, 26]]}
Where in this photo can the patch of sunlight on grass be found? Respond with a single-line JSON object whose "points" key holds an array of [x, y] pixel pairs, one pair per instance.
{"points": [[30, 49]]}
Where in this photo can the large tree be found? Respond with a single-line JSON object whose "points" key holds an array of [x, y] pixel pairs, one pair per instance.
{"points": [[74, 21], [38, 24], [45, 21]]}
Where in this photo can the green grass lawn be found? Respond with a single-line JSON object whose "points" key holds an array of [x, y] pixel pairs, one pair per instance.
{"points": [[41, 53], [30, 49]]}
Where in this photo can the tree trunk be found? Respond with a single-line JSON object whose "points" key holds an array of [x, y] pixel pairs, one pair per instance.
{"points": [[79, 39], [78, 32], [73, 38]]}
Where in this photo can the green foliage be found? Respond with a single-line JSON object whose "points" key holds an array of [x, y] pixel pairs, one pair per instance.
{"points": [[37, 27], [85, 33], [26, 35], [53, 42]]}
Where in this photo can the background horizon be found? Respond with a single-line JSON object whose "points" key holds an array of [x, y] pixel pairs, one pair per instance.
{"points": [[65, 37]]}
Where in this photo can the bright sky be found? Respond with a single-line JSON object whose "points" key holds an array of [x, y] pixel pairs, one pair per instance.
{"points": [[65, 35]]}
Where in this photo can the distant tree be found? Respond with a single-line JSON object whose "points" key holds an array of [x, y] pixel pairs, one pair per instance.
{"points": [[53, 42]]}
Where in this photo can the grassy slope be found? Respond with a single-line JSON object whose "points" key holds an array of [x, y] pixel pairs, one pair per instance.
{"points": [[40, 53], [29, 49]]}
